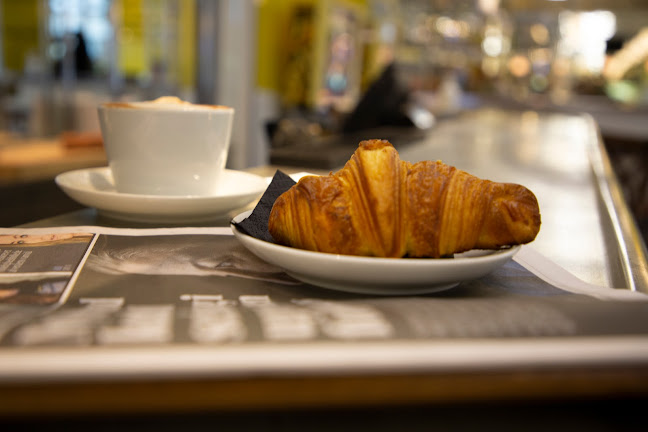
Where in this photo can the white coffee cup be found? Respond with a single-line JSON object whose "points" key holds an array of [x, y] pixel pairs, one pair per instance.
{"points": [[166, 146]]}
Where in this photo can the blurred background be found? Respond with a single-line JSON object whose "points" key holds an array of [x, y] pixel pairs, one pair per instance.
{"points": [[308, 75]]}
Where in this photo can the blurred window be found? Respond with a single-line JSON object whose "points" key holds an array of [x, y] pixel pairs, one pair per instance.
{"points": [[89, 18]]}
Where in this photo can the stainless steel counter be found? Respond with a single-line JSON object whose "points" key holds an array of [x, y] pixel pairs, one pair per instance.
{"points": [[586, 225]]}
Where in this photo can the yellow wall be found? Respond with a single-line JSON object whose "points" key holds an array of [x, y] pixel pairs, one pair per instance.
{"points": [[20, 31], [273, 20], [132, 57], [187, 44], [283, 65], [142, 23]]}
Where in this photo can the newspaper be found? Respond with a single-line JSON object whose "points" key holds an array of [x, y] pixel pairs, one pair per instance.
{"points": [[194, 300]]}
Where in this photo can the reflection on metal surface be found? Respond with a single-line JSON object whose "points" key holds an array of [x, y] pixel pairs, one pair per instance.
{"points": [[586, 226], [632, 249]]}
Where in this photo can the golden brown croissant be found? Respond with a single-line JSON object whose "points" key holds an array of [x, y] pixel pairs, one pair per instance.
{"points": [[379, 205]]}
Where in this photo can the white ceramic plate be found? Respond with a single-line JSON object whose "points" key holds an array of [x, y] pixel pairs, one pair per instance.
{"points": [[94, 187], [382, 276]]}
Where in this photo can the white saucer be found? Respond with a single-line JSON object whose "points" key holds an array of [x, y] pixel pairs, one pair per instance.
{"points": [[94, 187], [381, 276]]}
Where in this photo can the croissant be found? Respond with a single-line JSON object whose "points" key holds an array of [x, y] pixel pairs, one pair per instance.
{"points": [[379, 205]]}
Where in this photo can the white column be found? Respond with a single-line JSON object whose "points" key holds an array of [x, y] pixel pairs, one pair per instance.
{"points": [[236, 79]]}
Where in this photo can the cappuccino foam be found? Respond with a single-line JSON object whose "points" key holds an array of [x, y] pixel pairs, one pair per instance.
{"points": [[165, 103]]}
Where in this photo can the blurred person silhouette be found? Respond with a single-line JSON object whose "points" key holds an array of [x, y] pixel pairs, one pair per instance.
{"points": [[83, 66]]}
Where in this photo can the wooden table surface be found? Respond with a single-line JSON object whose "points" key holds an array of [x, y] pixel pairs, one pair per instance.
{"points": [[32, 159]]}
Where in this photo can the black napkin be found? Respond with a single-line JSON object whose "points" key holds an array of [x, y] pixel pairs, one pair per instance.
{"points": [[256, 225]]}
